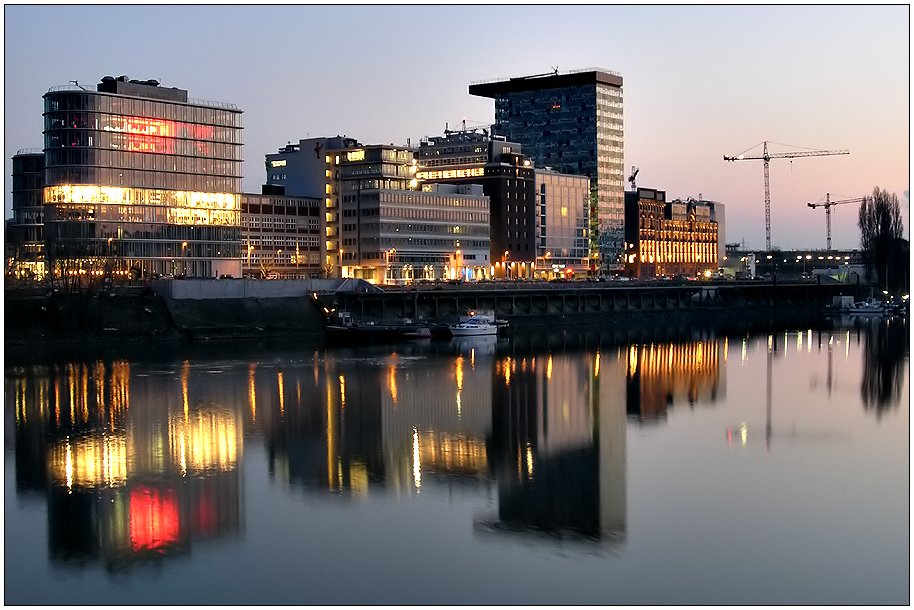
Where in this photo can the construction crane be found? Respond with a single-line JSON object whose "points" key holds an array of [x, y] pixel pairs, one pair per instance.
{"points": [[828, 205], [766, 157]]}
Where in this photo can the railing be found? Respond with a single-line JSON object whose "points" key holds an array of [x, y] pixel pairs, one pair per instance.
{"points": [[197, 102], [223, 105], [30, 151], [69, 88], [575, 71]]}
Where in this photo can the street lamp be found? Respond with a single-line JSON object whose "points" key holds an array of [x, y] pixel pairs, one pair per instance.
{"points": [[390, 255], [110, 265], [250, 270], [504, 264], [184, 256]]}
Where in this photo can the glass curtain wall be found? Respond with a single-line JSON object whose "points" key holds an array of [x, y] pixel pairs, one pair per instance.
{"points": [[141, 186]]}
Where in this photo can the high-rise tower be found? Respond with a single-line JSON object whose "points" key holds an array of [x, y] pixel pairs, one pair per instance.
{"points": [[572, 123]]}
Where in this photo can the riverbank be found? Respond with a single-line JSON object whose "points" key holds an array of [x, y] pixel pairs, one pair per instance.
{"points": [[201, 310]]}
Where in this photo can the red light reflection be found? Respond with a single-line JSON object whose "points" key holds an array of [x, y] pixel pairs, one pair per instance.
{"points": [[154, 519]]}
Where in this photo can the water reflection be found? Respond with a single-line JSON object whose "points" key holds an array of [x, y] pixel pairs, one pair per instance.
{"points": [[143, 460], [658, 375], [130, 465], [558, 445], [884, 362]]}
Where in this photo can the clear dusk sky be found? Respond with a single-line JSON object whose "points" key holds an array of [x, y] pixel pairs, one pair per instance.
{"points": [[699, 83]]}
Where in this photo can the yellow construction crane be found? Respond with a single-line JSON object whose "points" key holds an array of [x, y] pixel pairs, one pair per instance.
{"points": [[828, 205], [766, 157]]}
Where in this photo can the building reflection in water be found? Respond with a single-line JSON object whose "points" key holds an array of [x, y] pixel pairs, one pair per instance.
{"points": [[558, 445], [545, 428], [659, 375], [136, 461], [389, 420], [132, 466]]}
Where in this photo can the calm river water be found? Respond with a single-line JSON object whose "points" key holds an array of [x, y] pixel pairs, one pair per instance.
{"points": [[568, 467]]}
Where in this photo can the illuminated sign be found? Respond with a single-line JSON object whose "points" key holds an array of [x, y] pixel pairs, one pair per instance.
{"points": [[355, 155], [443, 174], [280, 163]]}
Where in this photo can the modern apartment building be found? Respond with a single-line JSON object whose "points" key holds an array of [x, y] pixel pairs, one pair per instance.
{"points": [[25, 238], [282, 236], [506, 177], [562, 225], [143, 179], [669, 238], [571, 122], [380, 225]]}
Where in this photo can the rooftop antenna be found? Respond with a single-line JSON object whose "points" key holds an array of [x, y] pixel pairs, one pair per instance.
{"points": [[555, 70], [78, 85], [631, 178]]}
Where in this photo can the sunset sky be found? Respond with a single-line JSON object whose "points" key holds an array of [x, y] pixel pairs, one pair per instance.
{"points": [[699, 83]]}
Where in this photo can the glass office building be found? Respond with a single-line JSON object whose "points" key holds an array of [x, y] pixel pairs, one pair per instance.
{"points": [[571, 122], [141, 180], [562, 225]]}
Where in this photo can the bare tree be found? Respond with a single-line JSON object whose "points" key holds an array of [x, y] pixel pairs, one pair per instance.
{"points": [[881, 238]]}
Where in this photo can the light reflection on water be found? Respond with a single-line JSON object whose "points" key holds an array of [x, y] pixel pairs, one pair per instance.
{"points": [[552, 440]]}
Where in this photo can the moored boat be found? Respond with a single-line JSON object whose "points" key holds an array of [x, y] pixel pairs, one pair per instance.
{"points": [[473, 326], [344, 327]]}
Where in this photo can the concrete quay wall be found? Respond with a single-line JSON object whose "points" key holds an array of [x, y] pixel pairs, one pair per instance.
{"points": [[243, 288], [579, 303]]}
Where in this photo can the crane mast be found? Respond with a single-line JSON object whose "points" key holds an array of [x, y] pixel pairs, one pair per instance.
{"points": [[828, 206], [766, 158]]}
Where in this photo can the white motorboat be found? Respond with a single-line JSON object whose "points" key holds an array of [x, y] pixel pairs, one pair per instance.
{"points": [[868, 308], [473, 326]]}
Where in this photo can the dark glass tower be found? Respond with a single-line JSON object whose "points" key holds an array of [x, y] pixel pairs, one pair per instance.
{"points": [[572, 123]]}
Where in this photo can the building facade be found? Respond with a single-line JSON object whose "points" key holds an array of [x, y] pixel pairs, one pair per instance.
{"points": [[304, 170], [571, 122], [393, 232], [141, 180], [669, 238], [381, 225], [507, 179], [562, 225], [25, 238], [282, 236]]}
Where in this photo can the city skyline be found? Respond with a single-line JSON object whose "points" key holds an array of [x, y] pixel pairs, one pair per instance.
{"points": [[700, 83]]}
